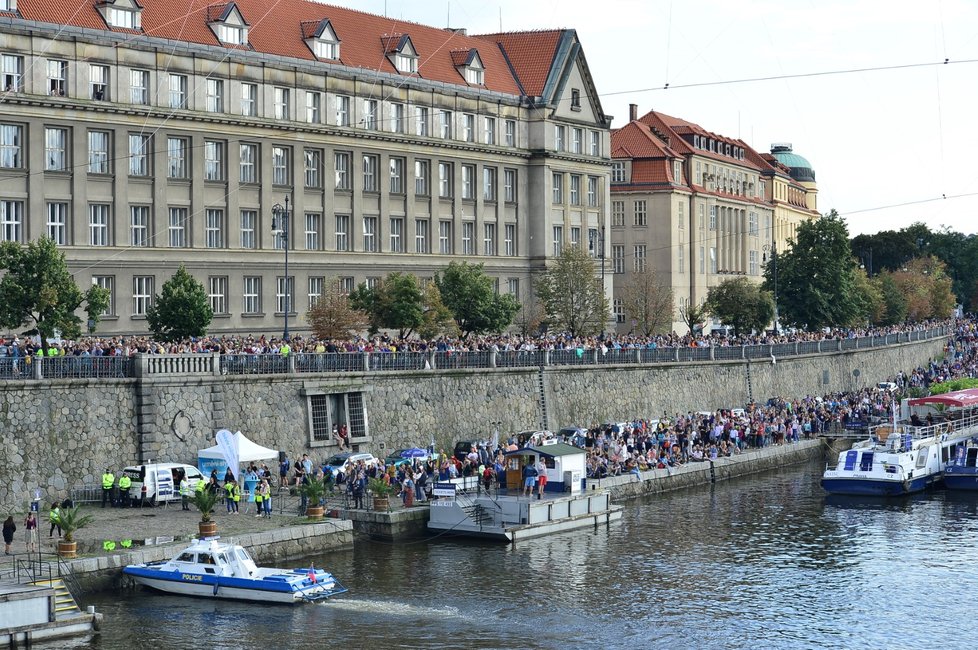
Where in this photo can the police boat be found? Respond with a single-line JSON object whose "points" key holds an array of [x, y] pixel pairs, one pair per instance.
{"points": [[211, 568]]}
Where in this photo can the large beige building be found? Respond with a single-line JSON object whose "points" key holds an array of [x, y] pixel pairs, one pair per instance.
{"points": [[697, 208], [141, 135]]}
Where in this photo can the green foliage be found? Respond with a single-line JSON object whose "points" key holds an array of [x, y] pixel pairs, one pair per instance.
{"points": [[894, 302], [572, 294], [395, 303], [816, 283], [438, 319], [204, 500], [333, 317], [740, 303], [468, 292], [955, 384], [72, 520], [313, 489], [379, 488], [694, 316], [38, 292], [869, 297], [182, 310]]}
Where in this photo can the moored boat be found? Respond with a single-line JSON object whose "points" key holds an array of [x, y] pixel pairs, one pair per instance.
{"points": [[211, 568], [961, 472]]}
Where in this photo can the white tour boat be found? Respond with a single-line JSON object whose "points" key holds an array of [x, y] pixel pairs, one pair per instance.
{"points": [[215, 569]]}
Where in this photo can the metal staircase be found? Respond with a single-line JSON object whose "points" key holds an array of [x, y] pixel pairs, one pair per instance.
{"points": [[477, 512], [64, 603], [48, 570], [544, 415]]}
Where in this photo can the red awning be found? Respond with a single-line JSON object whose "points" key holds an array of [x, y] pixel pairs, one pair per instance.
{"points": [[957, 399]]}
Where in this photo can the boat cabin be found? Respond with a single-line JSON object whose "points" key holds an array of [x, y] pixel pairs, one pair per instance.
{"points": [[565, 466], [211, 558]]}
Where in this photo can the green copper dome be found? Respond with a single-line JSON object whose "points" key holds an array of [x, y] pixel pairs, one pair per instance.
{"points": [[800, 169]]}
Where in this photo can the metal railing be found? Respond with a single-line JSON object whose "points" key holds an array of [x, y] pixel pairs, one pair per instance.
{"points": [[142, 365]]}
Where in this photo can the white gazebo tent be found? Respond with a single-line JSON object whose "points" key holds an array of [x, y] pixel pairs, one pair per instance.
{"points": [[215, 458]]}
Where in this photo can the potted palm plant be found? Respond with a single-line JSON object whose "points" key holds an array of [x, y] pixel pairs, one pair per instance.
{"points": [[313, 489], [381, 490], [71, 521], [205, 500]]}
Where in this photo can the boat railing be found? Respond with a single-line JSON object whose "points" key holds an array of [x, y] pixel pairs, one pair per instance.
{"points": [[950, 425]]}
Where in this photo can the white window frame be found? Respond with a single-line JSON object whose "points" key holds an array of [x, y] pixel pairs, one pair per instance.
{"points": [[248, 162], [217, 294], [99, 145], [142, 294], [56, 226], [99, 216], [341, 232], [421, 234], [251, 294], [370, 234], [12, 221], [214, 228], [177, 85], [445, 243], [177, 225], [249, 229], [396, 235], [139, 232]]}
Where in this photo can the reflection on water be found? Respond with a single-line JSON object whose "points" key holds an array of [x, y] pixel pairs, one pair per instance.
{"points": [[764, 561]]}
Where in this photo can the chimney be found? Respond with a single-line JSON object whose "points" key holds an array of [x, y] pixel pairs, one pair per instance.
{"points": [[632, 112]]}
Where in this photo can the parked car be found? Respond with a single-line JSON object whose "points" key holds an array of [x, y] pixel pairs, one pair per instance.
{"points": [[887, 386], [463, 447], [409, 455], [573, 435], [159, 482], [345, 461]]}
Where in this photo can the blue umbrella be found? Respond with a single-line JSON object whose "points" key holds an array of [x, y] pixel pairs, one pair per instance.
{"points": [[414, 452]]}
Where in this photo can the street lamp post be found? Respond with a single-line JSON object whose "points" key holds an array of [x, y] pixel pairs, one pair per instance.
{"points": [[773, 247], [280, 227]]}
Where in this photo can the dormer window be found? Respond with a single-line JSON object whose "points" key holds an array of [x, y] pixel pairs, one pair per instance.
{"points": [[321, 39], [8, 5], [122, 14], [575, 99], [469, 65], [474, 76], [228, 24], [401, 53]]}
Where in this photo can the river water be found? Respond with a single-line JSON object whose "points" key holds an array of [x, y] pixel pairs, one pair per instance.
{"points": [[763, 561]]}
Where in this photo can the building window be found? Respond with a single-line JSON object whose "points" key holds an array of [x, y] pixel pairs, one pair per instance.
{"points": [[445, 237], [314, 168], [280, 166], [513, 286], [558, 232], [342, 232], [577, 140], [139, 225], [370, 164], [510, 128], [11, 142], [313, 112], [106, 282], [342, 160], [558, 187], [713, 217], [176, 152], [421, 236], [396, 235], [677, 172], [178, 91], [249, 100], [701, 212], [345, 285], [445, 124], [617, 259], [445, 180], [489, 239], [681, 260], [99, 82], [12, 220], [371, 119], [509, 240], [57, 78], [489, 184], [139, 87], [315, 290], [251, 295], [681, 215], [558, 137], [178, 227], [325, 48], [752, 222], [592, 191], [313, 231], [138, 154], [474, 76], [13, 73], [575, 189], [713, 260], [370, 234], [284, 290], [617, 213], [327, 411], [421, 120], [397, 175], [213, 160], [509, 185], [468, 235], [489, 130], [595, 143], [98, 224], [342, 111], [593, 243], [641, 216], [281, 103], [468, 182], [702, 260], [142, 294], [618, 309], [421, 177], [55, 150], [406, 63], [214, 228], [617, 172], [217, 294], [122, 17], [249, 229], [214, 100], [98, 152], [57, 223], [639, 266], [575, 234], [247, 163], [231, 34], [468, 127], [397, 119]]}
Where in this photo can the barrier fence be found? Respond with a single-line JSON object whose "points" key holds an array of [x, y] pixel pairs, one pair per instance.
{"points": [[141, 365]]}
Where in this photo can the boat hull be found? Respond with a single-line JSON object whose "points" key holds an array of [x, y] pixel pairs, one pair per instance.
{"points": [[961, 478], [219, 587], [852, 486]]}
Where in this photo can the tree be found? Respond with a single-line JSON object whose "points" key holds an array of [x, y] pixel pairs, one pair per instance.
{"points": [[530, 317], [740, 303], [182, 310], [572, 294], [816, 285], [894, 302], [869, 298], [648, 302], [437, 319], [694, 316], [332, 317], [925, 288], [37, 291], [395, 303], [468, 292]]}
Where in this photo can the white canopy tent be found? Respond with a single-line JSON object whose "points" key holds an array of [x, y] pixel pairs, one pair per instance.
{"points": [[215, 458]]}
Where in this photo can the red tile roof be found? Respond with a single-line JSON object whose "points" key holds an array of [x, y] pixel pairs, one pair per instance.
{"points": [[277, 29], [531, 55], [680, 127]]}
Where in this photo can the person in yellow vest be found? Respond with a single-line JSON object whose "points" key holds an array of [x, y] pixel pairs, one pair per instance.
{"points": [[108, 483], [285, 349], [237, 499], [184, 492], [124, 484], [259, 509], [231, 488]]}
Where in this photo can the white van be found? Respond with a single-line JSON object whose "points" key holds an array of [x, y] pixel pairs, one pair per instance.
{"points": [[159, 482]]}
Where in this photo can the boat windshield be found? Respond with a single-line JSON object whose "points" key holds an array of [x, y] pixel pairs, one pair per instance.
{"points": [[186, 557], [243, 555]]}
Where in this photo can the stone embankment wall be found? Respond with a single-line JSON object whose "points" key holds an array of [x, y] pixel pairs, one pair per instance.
{"points": [[60, 434]]}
